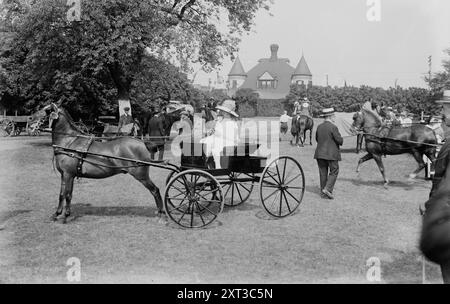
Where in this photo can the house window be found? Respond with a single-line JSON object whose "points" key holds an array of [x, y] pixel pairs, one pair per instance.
{"points": [[234, 84], [267, 84], [300, 82]]}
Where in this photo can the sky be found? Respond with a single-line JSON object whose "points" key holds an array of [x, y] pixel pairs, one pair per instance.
{"points": [[338, 40]]}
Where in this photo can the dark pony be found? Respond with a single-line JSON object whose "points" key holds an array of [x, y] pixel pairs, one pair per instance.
{"points": [[65, 134], [303, 123], [417, 140], [435, 236]]}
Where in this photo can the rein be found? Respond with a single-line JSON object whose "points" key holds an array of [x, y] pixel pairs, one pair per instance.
{"points": [[100, 137]]}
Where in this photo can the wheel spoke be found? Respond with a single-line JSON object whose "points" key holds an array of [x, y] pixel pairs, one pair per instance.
{"points": [[270, 195], [284, 170], [281, 202], [297, 176], [293, 197], [184, 213], [287, 202], [271, 176], [239, 193], [201, 217]]}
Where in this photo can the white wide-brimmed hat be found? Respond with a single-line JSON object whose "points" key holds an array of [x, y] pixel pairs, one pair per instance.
{"points": [[228, 106], [327, 112]]}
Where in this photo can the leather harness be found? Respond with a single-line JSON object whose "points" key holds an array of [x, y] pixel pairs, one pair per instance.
{"points": [[84, 149]]}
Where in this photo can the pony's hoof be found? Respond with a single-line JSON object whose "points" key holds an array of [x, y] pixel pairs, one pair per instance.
{"points": [[54, 217], [386, 184]]}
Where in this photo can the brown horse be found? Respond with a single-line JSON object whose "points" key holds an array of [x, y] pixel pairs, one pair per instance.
{"points": [[301, 124], [417, 140], [65, 134]]}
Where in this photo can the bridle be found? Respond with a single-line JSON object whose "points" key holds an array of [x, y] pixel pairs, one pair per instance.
{"points": [[53, 115]]}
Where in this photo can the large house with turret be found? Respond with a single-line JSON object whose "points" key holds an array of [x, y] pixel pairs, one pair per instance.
{"points": [[271, 77]]}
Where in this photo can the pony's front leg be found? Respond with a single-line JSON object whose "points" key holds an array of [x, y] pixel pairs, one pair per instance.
{"points": [[302, 139], [310, 137], [381, 167], [68, 196], [363, 159], [421, 164], [62, 197]]}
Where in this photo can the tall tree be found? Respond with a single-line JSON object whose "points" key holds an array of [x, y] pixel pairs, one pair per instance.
{"points": [[98, 57]]}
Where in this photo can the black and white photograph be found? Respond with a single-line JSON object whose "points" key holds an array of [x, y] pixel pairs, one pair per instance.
{"points": [[214, 142]]}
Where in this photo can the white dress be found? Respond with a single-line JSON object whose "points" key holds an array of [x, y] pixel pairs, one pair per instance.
{"points": [[226, 134]]}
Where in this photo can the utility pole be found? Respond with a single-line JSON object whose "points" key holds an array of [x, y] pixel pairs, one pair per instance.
{"points": [[327, 79], [430, 58]]}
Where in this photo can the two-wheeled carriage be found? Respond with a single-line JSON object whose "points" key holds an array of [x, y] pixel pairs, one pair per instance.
{"points": [[196, 193], [195, 196]]}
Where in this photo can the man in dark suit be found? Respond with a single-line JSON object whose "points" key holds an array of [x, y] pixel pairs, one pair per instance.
{"points": [[327, 152], [125, 119], [157, 134]]}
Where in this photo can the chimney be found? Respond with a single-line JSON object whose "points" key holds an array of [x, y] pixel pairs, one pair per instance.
{"points": [[274, 51]]}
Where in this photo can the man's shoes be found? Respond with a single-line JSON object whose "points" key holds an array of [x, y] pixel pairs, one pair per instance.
{"points": [[328, 194]]}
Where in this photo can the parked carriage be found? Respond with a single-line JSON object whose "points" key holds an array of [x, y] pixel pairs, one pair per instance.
{"points": [[15, 125]]}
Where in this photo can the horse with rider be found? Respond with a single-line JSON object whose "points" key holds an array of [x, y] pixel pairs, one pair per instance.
{"points": [[302, 121]]}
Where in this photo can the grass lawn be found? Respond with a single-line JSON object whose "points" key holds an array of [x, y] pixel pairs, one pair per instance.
{"points": [[118, 238]]}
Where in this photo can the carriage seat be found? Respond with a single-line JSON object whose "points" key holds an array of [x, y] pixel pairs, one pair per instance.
{"points": [[233, 157]]}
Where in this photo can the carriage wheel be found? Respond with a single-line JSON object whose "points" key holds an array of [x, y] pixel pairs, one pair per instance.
{"points": [[237, 188], [33, 128], [7, 127], [17, 131], [282, 186], [193, 199]]}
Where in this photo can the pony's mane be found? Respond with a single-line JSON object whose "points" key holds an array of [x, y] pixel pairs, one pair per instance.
{"points": [[70, 119], [375, 117]]}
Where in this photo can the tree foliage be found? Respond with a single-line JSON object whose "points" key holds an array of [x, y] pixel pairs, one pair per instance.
{"points": [[90, 63], [350, 99]]}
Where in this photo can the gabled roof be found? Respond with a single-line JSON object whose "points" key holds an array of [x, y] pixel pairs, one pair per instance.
{"points": [[237, 69], [279, 69], [266, 76], [302, 68]]}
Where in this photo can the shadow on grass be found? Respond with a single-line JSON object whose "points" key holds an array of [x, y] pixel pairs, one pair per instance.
{"points": [[408, 185], [41, 143], [409, 268], [81, 210], [246, 206], [353, 151]]}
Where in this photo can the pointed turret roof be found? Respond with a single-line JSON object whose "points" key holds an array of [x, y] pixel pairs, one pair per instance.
{"points": [[302, 68], [237, 69]]}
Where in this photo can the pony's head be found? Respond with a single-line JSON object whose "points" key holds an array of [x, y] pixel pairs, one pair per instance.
{"points": [[365, 118], [50, 112], [358, 120]]}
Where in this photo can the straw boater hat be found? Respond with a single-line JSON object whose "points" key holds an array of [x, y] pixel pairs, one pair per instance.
{"points": [[436, 119], [228, 106], [327, 112]]}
